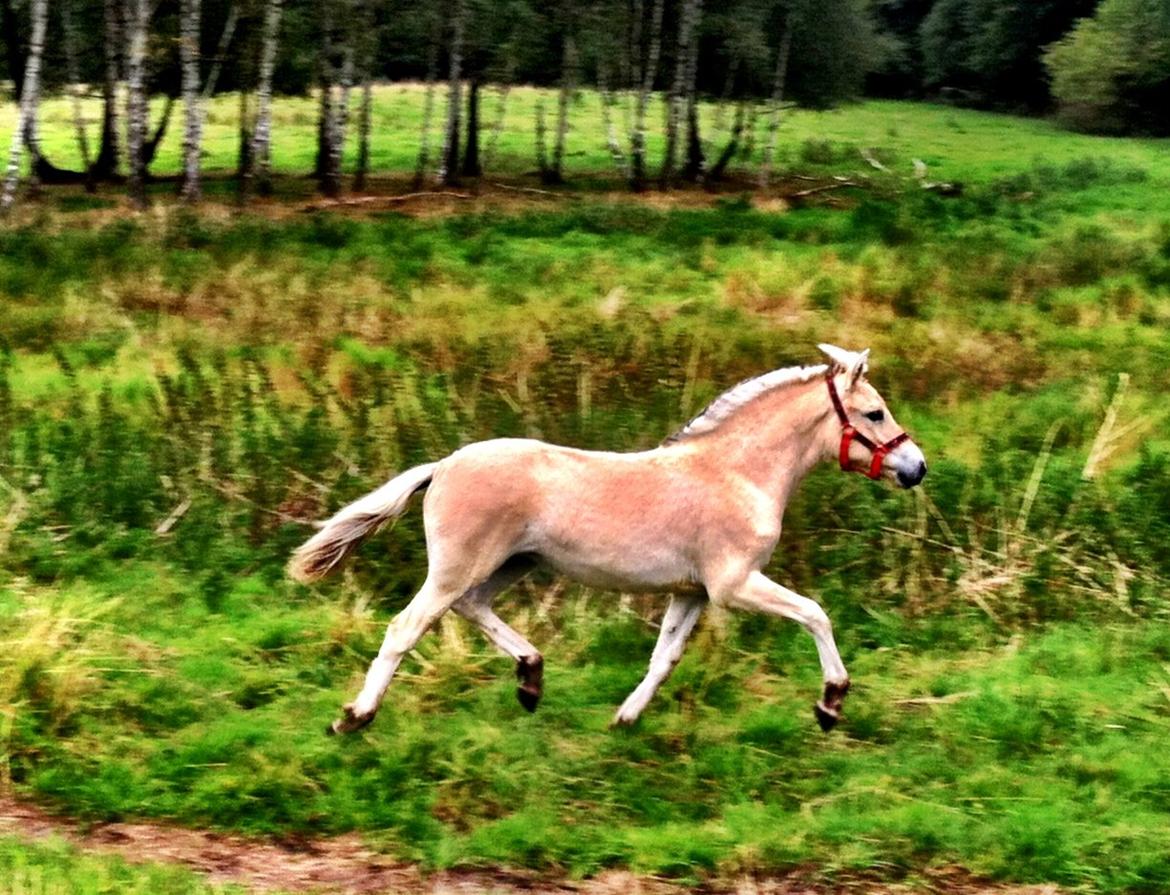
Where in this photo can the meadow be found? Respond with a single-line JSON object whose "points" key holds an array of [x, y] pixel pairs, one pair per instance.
{"points": [[182, 391]]}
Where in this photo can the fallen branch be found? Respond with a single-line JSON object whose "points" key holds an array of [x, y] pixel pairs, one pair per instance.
{"points": [[389, 200], [823, 188], [949, 699], [528, 189]]}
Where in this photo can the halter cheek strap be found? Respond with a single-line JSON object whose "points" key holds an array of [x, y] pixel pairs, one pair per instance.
{"points": [[849, 435]]}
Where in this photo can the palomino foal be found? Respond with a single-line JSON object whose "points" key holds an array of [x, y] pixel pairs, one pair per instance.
{"points": [[697, 517]]}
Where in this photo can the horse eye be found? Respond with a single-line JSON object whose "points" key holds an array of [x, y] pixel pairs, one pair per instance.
{"points": [[875, 416]]}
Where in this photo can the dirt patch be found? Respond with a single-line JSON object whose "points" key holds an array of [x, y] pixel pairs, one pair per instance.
{"points": [[343, 864]]}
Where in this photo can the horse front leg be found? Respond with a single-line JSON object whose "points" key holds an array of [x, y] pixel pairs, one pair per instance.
{"points": [[677, 624], [758, 593]]}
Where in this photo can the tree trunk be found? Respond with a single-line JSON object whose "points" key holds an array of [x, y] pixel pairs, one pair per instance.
{"points": [[105, 166], [777, 99], [501, 109], [138, 12], [611, 137], [341, 115], [471, 166], [16, 58], [449, 165], [260, 156], [29, 97], [189, 17], [364, 116], [678, 90], [75, 91], [424, 146], [696, 160], [716, 171], [225, 41], [568, 84], [243, 147], [541, 153], [638, 140], [150, 148]]}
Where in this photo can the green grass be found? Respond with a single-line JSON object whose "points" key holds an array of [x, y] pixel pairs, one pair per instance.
{"points": [[55, 868], [1007, 639]]}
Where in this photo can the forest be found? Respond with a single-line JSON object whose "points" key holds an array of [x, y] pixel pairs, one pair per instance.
{"points": [[1098, 66]]}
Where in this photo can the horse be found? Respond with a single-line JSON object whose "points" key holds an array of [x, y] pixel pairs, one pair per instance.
{"points": [[696, 518]]}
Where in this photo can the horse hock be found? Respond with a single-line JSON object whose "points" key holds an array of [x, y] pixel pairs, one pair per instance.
{"points": [[530, 674]]}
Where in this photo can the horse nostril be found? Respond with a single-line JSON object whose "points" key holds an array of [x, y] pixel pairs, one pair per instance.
{"points": [[921, 470]]}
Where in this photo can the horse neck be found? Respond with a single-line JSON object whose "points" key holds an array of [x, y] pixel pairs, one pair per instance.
{"points": [[776, 439]]}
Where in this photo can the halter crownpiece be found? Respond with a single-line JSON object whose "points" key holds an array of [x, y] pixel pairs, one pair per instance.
{"points": [[849, 435]]}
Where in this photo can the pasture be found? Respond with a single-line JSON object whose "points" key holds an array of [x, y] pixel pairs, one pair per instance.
{"points": [[182, 391]]}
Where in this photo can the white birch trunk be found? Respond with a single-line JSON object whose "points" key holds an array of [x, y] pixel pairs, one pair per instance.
{"points": [[638, 141], [29, 98], [189, 23], [424, 146], [137, 14], [611, 136], [678, 89], [260, 156], [79, 122], [341, 116], [365, 114], [568, 85], [449, 163], [225, 40], [777, 99]]}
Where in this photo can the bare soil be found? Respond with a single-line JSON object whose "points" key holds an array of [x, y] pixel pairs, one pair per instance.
{"points": [[343, 864]]}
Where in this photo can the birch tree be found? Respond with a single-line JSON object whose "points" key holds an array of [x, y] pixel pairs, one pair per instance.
{"points": [[777, 97], [449, 162], [568, 85], [189, 15], [424, 146], [137, 18], [74, 76], [105, 165], [682, 87], [29, 97], [260, 155], [648, 72]]}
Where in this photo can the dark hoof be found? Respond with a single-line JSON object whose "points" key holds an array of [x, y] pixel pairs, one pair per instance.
{"points": [[528, 699], [349, 722], [530, 673], [826, 717], [329, 731]]}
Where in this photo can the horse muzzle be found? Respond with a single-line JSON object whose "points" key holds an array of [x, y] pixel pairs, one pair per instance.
{"points": [[908, 478]]}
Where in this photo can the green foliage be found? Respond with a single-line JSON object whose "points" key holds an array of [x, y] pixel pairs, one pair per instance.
{"points": [[1111, 74], [988, 52]]}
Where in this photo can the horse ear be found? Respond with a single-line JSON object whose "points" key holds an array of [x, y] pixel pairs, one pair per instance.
{"points": [[854, 364], [860, 367], [840, 359]]}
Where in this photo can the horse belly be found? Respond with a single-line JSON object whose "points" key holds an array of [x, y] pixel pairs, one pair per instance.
{"points": [[633, 569]]}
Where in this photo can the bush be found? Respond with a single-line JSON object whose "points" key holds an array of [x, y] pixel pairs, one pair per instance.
{"points": [[1111, 74]]}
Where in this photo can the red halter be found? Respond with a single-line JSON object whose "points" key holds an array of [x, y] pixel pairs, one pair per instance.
{"points": [[850, 434]]}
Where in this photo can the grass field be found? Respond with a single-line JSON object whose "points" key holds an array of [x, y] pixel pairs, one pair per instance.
{"points": [[181, 391]]}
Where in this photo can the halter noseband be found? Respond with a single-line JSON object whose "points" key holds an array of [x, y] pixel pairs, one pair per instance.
{"points": [[850, 435]]}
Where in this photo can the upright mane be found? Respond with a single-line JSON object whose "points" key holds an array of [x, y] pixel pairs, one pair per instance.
{"points": [[723, 407]]}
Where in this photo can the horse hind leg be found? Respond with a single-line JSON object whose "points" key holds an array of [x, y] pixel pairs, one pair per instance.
{"points": [[677, 624], [402, 634], [475, 606]]}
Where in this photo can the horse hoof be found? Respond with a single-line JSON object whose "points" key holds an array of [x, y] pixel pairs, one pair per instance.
{"points": [[529, 699], [826, 717], [349, 722]]}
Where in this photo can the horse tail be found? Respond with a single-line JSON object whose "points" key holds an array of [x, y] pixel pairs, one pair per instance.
{"points": [[351, 525]]}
